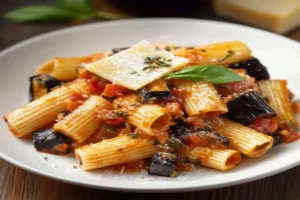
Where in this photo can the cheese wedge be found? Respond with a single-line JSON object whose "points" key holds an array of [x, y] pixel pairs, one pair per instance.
{"points": [[278, 16], [137, 66]]}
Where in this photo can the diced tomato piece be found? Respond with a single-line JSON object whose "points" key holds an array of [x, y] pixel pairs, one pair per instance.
{"points": [[85, 74], [116, 121], [111, 118], [273, 126], [96, 85], [74, 101], [76, 97], [114, 90], [264, 125], [236, 87]]}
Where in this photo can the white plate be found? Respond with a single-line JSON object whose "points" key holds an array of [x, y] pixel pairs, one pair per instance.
{"points": [[280, 55]]}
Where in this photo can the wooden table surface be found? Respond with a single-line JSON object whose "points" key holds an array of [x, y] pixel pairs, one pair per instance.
{"points": [[16, 183]]}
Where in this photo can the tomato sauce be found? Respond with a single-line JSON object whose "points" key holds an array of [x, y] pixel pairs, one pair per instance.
{"points": [[132, 167], [264, 125], [114, 90]]}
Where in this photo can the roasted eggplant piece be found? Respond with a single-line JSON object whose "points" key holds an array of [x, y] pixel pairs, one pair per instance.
{"points": [[248, 107], [190, 135], [41, 84], [48, 141], [276, 138], [157, 95], [181, 128], [253, 68], [163, 164], [118, 50], [148, 96]]}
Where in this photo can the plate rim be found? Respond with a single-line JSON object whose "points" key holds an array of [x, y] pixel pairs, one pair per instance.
{"points": [[126, 187]]}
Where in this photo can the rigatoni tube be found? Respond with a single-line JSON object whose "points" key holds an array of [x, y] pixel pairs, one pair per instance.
{"points": [[118, 150], [64, 69], [277, 93], [221, 159], [200, 97], [41, 111], [224, 53], [150, 118], [242, 138], [82, 122]]}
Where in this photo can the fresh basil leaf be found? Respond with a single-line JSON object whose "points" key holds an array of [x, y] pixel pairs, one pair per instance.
{"points": [[213, 74], [43, 13], [76, 5]]}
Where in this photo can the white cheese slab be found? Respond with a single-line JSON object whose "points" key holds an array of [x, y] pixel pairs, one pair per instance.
{"points": [[127, 68]]}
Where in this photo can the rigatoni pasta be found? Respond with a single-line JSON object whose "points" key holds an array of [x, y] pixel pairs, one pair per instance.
{"points": [[83, 122], [224, 53], [245, 140], [115, 151], [277, 95], [200, 97], [221, 159], [150, 108], [66, 69], [40, 112], [150, 118]]}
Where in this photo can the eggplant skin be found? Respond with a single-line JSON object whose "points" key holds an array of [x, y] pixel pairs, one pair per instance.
{"points": [[43, 82], [248, 107], [150, 96], [163, 164], [276, 138], [46, 139], [253, 68], [157, 95], [181, 128]]}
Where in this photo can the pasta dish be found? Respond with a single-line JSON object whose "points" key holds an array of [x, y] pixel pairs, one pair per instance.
{"points": [[162, 108]]}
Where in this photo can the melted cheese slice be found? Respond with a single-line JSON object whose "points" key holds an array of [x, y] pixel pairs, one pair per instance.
{"points": [[127, 68]]}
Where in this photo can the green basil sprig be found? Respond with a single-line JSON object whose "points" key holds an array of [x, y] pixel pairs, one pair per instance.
{"points": [[63, 10], [210, 73]]}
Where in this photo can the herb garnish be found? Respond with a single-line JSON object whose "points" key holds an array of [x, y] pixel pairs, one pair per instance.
{"points": [[228, 55], [210, 73], [156, 62], [61, 11], [120, 113]]}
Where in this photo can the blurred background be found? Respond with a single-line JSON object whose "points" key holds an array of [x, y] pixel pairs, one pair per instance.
{"points": [[280, 16]]}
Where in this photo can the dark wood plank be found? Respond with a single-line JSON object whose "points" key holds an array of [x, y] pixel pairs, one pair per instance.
{"points": [[16, 183]]}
